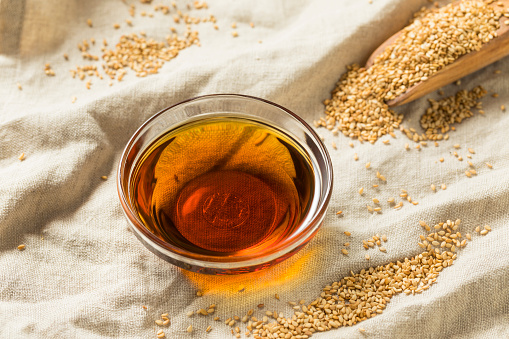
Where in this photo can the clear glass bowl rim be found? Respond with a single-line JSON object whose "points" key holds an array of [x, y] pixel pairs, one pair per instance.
{"points": [[208, 261]]}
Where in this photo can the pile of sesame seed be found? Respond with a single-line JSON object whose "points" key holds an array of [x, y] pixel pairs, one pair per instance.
{"points": [[144, 56], [435, 38], [365, 294], [445, 112]]}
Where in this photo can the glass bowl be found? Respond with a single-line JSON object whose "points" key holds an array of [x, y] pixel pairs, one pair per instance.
{"points": [[227, 106]]}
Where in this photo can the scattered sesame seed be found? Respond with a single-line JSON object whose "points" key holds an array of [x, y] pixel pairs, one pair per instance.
{"points": [[344, 251], [376, 201], [368, 164], [190, 329], [347, 233], [355, 157], [235, 34], [339, 212], [489, 165], [21, 247], [361, 190], [367, 256], [443, 186], [208, 329], [251, 24], [484, 232], [89, 22]]}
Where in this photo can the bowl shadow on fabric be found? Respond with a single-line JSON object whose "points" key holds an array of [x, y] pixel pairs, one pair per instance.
{"points": [[254, 287]]}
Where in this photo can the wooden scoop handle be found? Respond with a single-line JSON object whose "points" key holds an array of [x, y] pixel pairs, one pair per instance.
{"points": [[490, 52]]}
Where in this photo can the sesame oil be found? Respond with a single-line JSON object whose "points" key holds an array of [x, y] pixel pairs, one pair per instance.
{"points": [[223, 187]]}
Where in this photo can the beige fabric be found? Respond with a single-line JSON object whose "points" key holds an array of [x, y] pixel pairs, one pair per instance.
{"points": [[84, 275]]}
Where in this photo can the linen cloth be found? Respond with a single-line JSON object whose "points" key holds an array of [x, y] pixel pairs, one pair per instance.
{"points": [[83, 274]]}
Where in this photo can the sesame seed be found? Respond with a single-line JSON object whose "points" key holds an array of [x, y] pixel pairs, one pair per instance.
{"points": [[251, 24], [471, 150], [487, 227], [443, 186], [344, 251], [355, 157], [334, 145], [209, 328], [368, 164], [190, 329], [339, 212], [382, 249], [367, 256], [347, 233], [484, 232], [159, 322], [384, 237], [235, 34], [489, 165], [21, 247], [19, 86], [433, 188], [89, 22], [478, 229], [361, 190]]}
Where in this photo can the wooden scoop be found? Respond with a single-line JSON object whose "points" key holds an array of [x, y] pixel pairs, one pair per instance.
{"points": [[490, 52]]}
